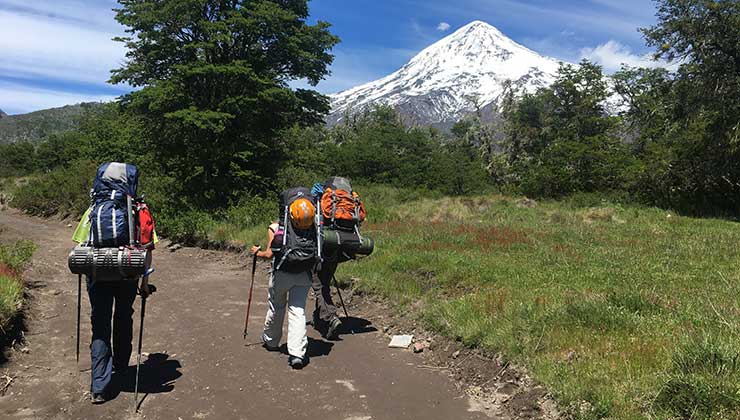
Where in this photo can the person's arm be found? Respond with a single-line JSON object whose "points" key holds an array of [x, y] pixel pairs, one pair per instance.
{"points": [[267, 253]]}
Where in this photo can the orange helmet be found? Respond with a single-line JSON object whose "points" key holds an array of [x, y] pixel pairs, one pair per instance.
{"points": [[302, 213]]}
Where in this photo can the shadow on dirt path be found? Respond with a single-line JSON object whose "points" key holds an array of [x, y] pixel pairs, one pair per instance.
{"points": [[197, 365]]}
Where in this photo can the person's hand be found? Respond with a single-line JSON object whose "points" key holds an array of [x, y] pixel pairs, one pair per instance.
{"points": [[144, 288], [254, 250]]}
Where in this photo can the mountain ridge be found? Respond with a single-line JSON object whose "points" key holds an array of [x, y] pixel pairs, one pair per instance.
{"points": [[451, 78], [34, 126]]}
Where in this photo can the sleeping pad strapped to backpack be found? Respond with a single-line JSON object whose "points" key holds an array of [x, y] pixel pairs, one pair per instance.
{"points": [[295, 245]]}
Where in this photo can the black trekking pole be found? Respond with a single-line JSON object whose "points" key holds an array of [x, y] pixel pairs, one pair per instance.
{"points": [[79, 299], [341, 300], [151, 289], [251, 287], [336, 286]]}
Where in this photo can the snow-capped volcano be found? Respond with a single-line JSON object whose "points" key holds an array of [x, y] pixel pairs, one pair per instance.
{"points": [[448, 79]]}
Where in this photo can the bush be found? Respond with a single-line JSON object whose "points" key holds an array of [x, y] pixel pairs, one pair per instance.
{"points": [[63, 191], [11, 298], [13, 259], [251, 212], [17, 255], [190, 227]]}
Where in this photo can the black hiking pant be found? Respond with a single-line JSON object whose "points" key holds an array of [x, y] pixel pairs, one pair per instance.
{"points": [[325, 310], [104, 297]]}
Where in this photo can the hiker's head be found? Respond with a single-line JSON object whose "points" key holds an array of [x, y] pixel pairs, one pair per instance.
{"points": [[302, 213]]}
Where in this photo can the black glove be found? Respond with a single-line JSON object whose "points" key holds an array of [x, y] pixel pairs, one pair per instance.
{"points": [[150, 288]]}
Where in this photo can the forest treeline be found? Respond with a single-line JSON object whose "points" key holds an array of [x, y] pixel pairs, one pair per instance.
{"points": [[216, 129]]}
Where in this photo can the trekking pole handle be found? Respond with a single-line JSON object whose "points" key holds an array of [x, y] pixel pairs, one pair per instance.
{"points": [[258, 249]]}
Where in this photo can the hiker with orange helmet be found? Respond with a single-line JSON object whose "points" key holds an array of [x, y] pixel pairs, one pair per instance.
{"points": [[293, 249]]}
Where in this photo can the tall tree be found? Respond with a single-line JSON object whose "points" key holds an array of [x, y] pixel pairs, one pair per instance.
{"points": [[702, 35], [215, 87], [561, 140]]}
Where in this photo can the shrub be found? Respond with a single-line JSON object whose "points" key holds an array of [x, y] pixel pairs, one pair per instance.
{"points": [[11, 298], [17, 255], [63, 191], [252, 211], [190, 227], [13, 258]]}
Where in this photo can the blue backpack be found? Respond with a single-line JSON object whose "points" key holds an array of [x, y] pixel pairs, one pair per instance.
{"points": [[113, 183]]}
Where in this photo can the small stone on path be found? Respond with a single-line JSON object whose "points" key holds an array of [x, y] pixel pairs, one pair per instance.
{"points": [[401, 341]]}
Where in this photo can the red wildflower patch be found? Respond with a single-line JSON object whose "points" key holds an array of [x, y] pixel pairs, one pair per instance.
{"points": [[7, 271], [496, 237]]}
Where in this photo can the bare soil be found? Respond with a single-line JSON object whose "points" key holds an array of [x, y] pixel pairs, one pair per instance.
{"points": [[197, 365]]}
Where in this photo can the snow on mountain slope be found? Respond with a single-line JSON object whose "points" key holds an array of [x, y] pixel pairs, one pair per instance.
{"points": [[439, 85]]}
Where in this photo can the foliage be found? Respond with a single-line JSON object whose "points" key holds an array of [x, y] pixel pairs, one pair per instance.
{"points": [[13, 258], [376, 147], [695, 133], [17, 159], [102, 133], [63, 191], [214, 88], [11, 299], [16, 256], [561, 140]]}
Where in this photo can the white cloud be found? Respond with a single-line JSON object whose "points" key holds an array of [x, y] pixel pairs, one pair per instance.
{"points": [[89, 13], [613, 55], [56, 49], [443, 26], [19, 99]]}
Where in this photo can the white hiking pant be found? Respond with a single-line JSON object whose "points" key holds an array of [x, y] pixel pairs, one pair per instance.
{"points": [[289, 289]]}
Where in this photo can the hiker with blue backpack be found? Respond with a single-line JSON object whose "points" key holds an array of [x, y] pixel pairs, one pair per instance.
{"points": [[115, 236], [293, 249]]}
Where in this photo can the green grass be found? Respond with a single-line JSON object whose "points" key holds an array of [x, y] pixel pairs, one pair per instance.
{"points": [[633, 310], [11, 299], [13, 258]]}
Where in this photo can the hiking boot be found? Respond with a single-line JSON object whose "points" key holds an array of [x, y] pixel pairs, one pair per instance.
{"points": [[269, 348], [97, 398], [297, 362], [333, 331]]}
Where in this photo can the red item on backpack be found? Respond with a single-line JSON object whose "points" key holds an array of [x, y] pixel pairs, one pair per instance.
{"points": [[146, 227]]}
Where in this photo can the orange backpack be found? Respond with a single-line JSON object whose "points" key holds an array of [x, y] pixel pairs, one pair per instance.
{"points": [[340, 206]]}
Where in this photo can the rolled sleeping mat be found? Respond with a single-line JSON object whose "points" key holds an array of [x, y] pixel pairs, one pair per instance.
{"points": [[108, 263], [367, 246], [347, 242]]}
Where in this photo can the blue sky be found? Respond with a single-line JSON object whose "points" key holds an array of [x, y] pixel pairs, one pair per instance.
{"points": [[56, 52]]}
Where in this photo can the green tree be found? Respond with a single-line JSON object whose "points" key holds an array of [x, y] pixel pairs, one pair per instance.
{"points": [[561, 140], [17, 159], [215, 93], [702, 172]]}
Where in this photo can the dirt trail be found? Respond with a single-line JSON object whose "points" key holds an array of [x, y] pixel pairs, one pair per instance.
{"points": [[198, 365]]}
